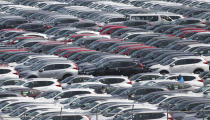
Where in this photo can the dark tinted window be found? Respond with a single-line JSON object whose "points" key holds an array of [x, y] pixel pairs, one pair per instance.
{"points": [[4, 71], [122, 64], [72, 93], [29, 44], [42, 83], [188, 78], [148, 77], [49, 67], [78, 80], [144, 116], [111, 80], [13, 82], [62, 66], [187, 61], [72, 117]]}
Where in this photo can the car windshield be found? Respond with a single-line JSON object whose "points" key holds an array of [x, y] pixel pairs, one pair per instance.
{"points": [[158, 100], [100, 108], [23, 60], [18, 112], [69, 100], [89, 105], [201, 89], [51, 95], [31, 61], [37, 67], [10, 108], [168, 62], [67, 79], [3, 104]]}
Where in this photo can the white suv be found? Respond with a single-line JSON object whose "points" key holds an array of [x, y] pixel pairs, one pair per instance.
{"points": [[183, 64]]}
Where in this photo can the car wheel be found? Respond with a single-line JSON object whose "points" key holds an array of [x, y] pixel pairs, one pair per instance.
{"points": [[163, 72], [65, 76], [198, 71], [33, 76]]}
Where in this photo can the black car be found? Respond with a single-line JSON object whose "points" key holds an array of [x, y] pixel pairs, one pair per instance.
{"points": [[120, 66], [34, 27]]}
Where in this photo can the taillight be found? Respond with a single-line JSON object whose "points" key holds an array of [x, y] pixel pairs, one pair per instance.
{"points": [[70, 40], [171, 35], [170, 117], [88, 117], [130, 82], [206, 62], [48, 27], [201, 80], [16, 72], [75, 66], [59, 84], [151, 24], [141, 65], [204, 22]]}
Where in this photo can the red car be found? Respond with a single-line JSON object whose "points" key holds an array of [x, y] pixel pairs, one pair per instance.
{"points": [[110, 30]]}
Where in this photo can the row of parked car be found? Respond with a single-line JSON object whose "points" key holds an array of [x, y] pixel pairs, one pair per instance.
{"points": [[104, 60]]}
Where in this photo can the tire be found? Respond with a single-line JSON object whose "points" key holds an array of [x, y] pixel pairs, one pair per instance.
{"points": [[163, 72], [198, 71], [65, 76], [33, 76]]}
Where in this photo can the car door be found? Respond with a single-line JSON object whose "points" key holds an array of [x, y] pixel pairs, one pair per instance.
{"points": [[46, 71], [60, 70], [184, 65]]}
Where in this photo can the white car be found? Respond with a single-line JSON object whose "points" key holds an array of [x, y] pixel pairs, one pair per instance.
{"points": [[42, 84], [183, 64], [8, 72], [30, 58], [60, 69], [59, 97]]}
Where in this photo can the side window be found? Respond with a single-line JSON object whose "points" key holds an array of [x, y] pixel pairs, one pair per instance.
{"points": [[42, 83], [192, 61], [9, 83], [173, 78], [126, 64], [49, 67], [181, 62], [62, 66], [166, 18], [188, 78], [111, 80], [148, 77], [72, 117], [4, 71], [66, 66], [77, 80]]}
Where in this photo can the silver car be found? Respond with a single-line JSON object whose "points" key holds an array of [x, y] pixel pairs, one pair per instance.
{"points": [[54, 69]]}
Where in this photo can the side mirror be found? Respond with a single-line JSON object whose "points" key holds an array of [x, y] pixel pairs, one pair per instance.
{"points": [[172, 65], [41, 70]]}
